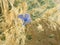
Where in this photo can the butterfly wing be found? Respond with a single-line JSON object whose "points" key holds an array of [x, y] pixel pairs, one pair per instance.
{"points": [[27, 19], [27, 16], [21, 16]]}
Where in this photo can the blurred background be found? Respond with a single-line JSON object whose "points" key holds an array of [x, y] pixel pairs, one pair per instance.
{"points": [[44, 28]]}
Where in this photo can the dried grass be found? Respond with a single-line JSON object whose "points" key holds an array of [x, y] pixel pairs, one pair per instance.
{"points": [[44, 32], [13, 30]]}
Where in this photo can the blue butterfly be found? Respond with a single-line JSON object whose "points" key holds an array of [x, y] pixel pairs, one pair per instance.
{"points": [[26, 18]]}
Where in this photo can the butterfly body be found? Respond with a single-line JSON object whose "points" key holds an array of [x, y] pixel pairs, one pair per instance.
{"points": [[26, 18]]}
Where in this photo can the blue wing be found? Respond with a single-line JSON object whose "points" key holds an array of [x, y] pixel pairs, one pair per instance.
{"points": [[21, 16], [27, 19], [27, 16]]}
